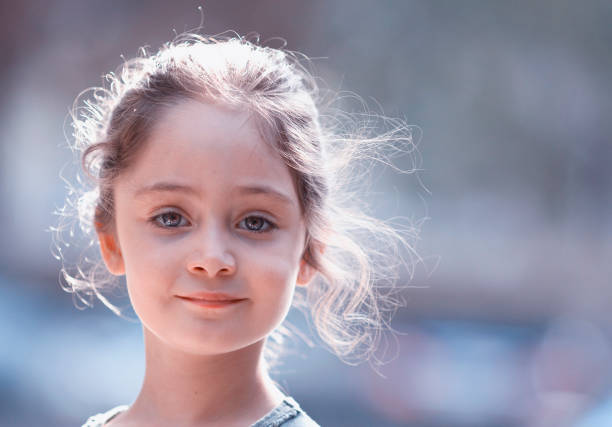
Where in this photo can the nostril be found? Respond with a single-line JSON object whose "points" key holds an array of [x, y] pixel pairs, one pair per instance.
{"points": [[211, 265]]}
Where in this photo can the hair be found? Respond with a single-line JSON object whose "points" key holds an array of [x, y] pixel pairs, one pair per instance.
{"points": [[357, 257]]}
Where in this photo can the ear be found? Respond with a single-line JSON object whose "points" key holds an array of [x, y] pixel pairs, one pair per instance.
{"points": [[111, 252], [305, 274], [307, 271]]}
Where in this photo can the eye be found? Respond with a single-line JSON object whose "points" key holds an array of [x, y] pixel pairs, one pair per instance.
{"points": [[169, 219], [257, 224]]}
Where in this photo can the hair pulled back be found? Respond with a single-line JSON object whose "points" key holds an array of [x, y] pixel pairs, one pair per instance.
{"points": [[356, 256]]}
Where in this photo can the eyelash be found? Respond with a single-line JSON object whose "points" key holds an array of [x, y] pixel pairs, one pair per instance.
{"points": [[156, 220]]}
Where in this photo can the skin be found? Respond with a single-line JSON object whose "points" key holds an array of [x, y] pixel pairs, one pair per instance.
{"points": [[199, 232]]}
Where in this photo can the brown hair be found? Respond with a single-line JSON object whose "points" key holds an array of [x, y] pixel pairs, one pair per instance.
{"points": [[354, 294]]}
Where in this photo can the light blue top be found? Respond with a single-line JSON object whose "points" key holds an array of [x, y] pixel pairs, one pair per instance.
{"points": [[287, 414]]}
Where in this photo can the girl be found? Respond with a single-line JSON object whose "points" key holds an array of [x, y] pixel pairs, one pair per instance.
{"points": [[220, 193]]}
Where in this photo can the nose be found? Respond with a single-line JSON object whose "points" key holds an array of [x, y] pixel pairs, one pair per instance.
{"points": [[211, 256]]}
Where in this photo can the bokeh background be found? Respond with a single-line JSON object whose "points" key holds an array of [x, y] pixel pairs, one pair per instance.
{"points": [[508, 321]]}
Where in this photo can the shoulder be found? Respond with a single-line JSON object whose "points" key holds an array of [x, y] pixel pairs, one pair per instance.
{"points": [[301, 420], [100, 419], [287, 414]]}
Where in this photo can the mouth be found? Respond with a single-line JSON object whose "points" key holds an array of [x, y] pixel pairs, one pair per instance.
{"points": [[212, 300]]}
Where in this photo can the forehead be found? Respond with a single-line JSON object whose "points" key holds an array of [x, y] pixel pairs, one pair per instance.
{"points": [[206, 145]]}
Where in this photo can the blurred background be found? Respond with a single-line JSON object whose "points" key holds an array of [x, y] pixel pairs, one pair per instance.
{"points": [[514, 99]]}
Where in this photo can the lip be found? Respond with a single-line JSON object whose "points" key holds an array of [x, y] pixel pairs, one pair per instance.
{"points": [[212, 299]]}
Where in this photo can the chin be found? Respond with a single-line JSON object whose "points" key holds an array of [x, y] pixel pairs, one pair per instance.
{"points": [[216, 346]]}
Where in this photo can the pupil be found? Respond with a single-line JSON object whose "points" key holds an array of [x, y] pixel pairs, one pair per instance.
{"points": [[170, 218], [253, 223]]}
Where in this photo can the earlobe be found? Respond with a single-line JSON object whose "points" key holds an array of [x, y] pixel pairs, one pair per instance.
{"points": [[111, 253]]}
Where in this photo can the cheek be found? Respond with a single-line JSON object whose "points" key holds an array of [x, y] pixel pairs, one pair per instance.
{"points": [[275, 280], [150, 277], [146, 253], [151, 266]]}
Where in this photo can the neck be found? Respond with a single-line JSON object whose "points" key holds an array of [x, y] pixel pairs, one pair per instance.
{"points": [[191, 389]]}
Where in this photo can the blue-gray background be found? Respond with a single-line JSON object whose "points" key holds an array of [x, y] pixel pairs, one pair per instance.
{"points": [[513, 327]]}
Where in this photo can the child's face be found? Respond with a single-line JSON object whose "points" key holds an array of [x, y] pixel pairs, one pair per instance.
{"points": [[207, 206]]}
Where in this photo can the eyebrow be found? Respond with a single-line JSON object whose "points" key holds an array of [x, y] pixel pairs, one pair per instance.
{"points": [[161, 187], [266, 190]]}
